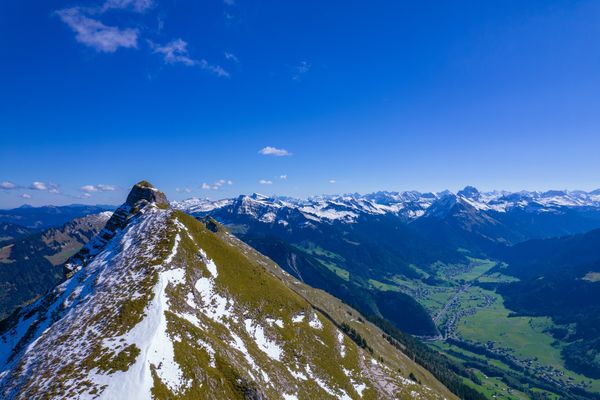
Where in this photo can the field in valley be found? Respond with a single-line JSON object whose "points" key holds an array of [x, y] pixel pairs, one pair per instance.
{"points": [[477, 330]]}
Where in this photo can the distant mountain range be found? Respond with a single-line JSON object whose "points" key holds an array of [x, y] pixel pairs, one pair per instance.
{"points": [[37, 218], [469, 216], [408, 205]]}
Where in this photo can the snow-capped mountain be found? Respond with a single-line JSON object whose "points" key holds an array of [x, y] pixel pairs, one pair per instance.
{"points": [[161, 305], [409, 205]]}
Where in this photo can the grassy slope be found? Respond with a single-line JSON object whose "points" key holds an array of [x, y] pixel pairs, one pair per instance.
{"points": [[261, 286]]}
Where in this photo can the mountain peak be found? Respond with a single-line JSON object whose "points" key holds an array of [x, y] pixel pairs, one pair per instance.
{"points": [[144, 190], [470, 192]]}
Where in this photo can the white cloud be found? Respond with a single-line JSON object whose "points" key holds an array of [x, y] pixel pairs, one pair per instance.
{"points": [[106, 188], [216, 185], [85, 196], [135, 5], [231, 57], [183, 190], [176, 52], [7, 185], [42, 186], [25, 196], [94, 33], [265, 182], [38, 186], [332, 181], [98, 188], [274, 151], [88, 188], [284, 177], [300, 70]]}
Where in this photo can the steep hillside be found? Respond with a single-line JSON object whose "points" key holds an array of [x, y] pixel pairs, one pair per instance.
{"points": [[10, 231], [160, 305], [560, 278], [31, 265]]}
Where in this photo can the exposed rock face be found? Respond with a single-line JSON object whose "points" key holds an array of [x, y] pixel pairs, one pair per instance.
{"points": [[141, 194], [144, 190]]}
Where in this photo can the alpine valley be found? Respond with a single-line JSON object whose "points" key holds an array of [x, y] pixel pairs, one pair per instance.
{"points": [[162, 305], [502, 287]]}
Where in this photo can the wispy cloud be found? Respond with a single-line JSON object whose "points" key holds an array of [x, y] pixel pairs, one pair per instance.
{"points": [[176, 52], [274, 151], [7, 185], [231, 57], [265, 182], [229, 2], [216, 185], [283, 177], [91, 31], [25, 196], [134, 5], [95, 34], [332, 181], [300, 70], [183, 190], [97, 188]]}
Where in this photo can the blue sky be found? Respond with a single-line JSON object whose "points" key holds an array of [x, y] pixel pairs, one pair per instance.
{"points": [[363, 96]]}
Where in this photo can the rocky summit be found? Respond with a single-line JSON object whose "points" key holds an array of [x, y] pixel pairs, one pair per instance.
{"points": [[160, 306]]}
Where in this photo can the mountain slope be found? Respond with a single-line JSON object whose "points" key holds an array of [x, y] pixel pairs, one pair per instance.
{"points": [[560, 278], [161, 305], [10, 231], [31, 265]]}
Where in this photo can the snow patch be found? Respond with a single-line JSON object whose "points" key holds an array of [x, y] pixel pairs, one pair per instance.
{"points": [[169, 259], [340, 337], [269, 347], [315, 322], [298, 318]]}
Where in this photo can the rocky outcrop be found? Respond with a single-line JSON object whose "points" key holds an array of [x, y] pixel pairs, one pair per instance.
{"points": [[144, 190], [141, 194]]}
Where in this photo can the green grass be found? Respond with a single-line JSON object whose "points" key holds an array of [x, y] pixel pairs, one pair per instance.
{"points": [[478, 267], [497, 277], [525, 335], [481, 321], [384, 287], [342, 273]]}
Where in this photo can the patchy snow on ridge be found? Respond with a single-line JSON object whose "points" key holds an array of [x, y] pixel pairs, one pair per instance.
{"points": [[298, 318], [269, 347], [315, 322], [340, 337]]}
